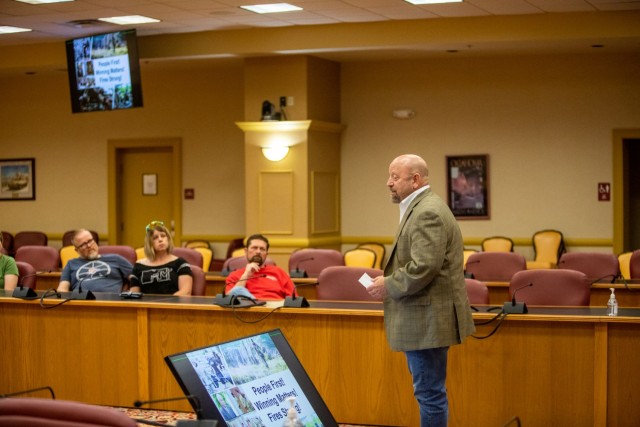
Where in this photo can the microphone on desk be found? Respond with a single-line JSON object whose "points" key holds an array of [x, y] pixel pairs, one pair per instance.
{"points": [[195, 404], [513, 307], [18, 393], [297, 273], [22, 291], [297, 302], [227, 300], [79, 294]]}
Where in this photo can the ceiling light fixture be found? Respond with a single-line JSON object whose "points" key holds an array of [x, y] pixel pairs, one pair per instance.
{"points": [[42, 1], [275, 154], [129, 20], [271, 8], [432, 1], [5, 29]]}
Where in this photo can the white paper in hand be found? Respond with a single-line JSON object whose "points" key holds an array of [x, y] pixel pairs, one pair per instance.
{"points": [[365, 280]]}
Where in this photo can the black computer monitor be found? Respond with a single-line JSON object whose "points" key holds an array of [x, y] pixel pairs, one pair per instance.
{"points": [[247, 381]]}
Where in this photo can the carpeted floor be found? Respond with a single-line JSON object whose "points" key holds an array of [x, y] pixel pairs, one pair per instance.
{"points": [[169, 418]]}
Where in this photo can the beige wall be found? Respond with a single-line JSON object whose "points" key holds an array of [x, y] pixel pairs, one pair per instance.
{"points": [[545, 121]]}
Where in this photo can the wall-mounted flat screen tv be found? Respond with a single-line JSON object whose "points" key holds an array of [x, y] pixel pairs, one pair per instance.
{"points": [[249, 381], [104, 72]]}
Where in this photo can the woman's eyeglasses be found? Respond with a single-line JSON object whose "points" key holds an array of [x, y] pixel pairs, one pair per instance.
{"points": [[153, 224]]}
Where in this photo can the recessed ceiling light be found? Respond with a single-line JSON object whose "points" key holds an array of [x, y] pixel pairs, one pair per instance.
{"points": [[271, 8], [129, 20], [42, 1], [432, 1], [8, 30]]}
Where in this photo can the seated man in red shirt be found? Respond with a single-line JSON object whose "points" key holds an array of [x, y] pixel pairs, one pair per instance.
{"points": [[264, 282]]}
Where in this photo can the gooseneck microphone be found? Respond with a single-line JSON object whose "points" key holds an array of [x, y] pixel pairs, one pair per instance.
{"points": [[79, 294], [297, 273], [513, 307], [195, 404], [227, 300], [18, 393], [297, 301], [26, 292]]}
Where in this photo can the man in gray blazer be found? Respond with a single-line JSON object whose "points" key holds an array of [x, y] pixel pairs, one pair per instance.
{"points": [[426, 308]]}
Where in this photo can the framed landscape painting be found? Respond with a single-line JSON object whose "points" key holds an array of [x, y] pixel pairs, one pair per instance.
{"points": [[17, 179]]}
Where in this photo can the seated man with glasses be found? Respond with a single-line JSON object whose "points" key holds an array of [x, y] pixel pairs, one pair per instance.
{"points": [[257, 280], [96, 273]]}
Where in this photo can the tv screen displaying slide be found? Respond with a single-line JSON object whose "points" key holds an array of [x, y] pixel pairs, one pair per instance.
{"points": [[104, 72], [248, 382]]}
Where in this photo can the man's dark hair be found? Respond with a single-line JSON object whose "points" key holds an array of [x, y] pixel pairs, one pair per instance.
{"points": [[257, 237]]}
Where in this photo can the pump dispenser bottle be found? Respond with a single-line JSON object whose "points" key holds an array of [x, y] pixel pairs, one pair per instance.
{"points": [[612, 304]]}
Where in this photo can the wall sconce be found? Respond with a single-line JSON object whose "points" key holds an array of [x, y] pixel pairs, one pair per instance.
{"points": [[275, 154]]}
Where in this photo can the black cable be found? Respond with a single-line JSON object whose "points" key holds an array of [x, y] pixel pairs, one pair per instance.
{"points": [[500, 316], [51, 292], [253, 321]]}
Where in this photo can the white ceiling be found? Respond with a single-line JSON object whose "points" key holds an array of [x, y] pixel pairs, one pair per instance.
{"points": [[52, 22]]}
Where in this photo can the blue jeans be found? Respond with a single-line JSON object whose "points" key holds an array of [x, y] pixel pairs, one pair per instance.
{"points": [[429, 371]]}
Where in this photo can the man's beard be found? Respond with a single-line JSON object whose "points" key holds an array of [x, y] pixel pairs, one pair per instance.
{"points": [[257, 259]]}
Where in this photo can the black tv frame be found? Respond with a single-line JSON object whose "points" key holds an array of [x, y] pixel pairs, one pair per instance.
{"points": [[192, 385], [90, 96]]}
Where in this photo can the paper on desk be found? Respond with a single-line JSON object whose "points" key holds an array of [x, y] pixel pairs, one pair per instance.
{"points": [[365, 280]]}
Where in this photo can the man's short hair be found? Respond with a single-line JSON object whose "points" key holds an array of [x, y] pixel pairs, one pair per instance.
{"points": [[257, 237]]}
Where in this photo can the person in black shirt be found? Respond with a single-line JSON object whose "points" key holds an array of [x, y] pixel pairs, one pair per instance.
{"points": [[160, 272]]}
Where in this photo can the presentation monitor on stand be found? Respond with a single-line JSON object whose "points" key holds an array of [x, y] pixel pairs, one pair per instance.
{"points": [[249, 381]]}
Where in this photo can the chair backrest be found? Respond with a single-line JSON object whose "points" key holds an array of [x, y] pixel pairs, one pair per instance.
{"points": [[67, 237], [36, 412], [140, 253], [634, 265], [42, 258], [238, 252], [236, 263], [341, 283], [217, 264], [192, 256], [624, 260], [199, 286], [67, 253], [360, 257], [466, 254], [7, 242], [29, 238], [207, 256], [598, 266], [477, 291], [123, 250], [378, 248], [313, 260], [193, 244], [497, 244], [551, 287], [26, 274], [548, 246], [495, 266]]}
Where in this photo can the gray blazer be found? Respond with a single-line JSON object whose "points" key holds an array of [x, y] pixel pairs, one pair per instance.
{"points": [[426, 304]]}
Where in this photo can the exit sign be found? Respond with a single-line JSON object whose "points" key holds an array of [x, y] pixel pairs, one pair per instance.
{"points": [[604, 191]]}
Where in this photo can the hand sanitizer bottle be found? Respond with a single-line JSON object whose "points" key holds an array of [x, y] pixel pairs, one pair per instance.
{"points": [[612, 304]]}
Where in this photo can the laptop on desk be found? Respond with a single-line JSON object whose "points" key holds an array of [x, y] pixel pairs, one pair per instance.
{"points": [[249, 381]]}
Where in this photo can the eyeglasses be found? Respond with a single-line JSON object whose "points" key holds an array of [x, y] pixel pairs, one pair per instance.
{"points": [[154, 224], [85, 244]]}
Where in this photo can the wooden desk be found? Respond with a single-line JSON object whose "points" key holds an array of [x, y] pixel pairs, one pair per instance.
{"points": [[628, 296], [578, 368]]}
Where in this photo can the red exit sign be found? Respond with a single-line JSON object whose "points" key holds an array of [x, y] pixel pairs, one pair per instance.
{"points": [[604, 191]]}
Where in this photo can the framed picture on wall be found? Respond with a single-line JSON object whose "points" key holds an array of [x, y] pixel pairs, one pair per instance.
{"points": [[18, 179], [468, 186]]}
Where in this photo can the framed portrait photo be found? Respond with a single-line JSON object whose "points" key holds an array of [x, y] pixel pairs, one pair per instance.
{"points": [[468, 186], [18, 179]]}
